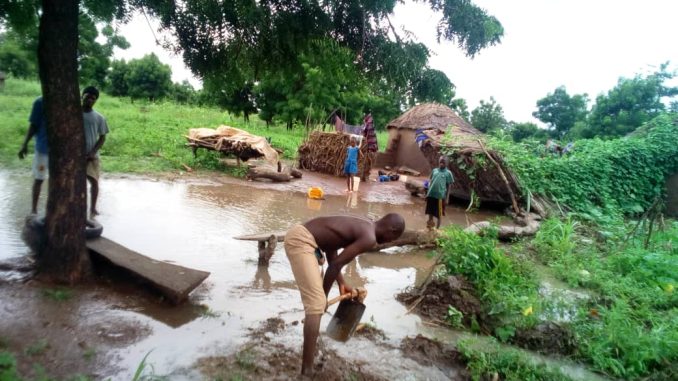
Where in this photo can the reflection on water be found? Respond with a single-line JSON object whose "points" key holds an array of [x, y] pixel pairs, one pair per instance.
{"points": [[192, 224]]}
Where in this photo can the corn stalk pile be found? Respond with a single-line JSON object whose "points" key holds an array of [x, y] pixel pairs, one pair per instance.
{"points": [[325, 152]]}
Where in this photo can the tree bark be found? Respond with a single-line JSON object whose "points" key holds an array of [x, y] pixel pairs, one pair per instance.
{"points": [[64, 257]]}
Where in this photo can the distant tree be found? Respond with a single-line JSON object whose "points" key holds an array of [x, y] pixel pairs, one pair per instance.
{"points": [[94, 57], [183, 92], [15, 59], [432, 86], [148, 78], [631, 103], [460, 106], [522, 131], [488, 117], [117, 79], [560, 111]]}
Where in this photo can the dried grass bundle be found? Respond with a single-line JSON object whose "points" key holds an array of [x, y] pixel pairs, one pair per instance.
{"points": [[325, 152]]}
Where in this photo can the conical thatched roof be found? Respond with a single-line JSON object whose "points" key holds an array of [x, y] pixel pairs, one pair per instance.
{"points": [[429, 116]]}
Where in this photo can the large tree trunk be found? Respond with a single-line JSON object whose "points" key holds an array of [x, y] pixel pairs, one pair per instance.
{"points": [[64, 257]]}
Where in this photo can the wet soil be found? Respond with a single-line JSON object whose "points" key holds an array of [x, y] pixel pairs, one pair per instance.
{"points": [[430, 352], [432, 302], [66, 331], [548, 338], [262, 358], [370, 332]]}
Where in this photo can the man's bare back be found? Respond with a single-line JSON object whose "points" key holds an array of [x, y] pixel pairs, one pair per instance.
{"points": [[336, 232]]}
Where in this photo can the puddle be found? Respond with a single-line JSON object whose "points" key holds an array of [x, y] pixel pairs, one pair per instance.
{"points": [[192, 223]]}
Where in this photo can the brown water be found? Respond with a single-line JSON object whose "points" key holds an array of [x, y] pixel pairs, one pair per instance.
{"points": [[192, 223]]}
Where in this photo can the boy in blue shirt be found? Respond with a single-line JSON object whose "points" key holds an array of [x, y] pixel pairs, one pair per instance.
{"points": [[37, 127]]}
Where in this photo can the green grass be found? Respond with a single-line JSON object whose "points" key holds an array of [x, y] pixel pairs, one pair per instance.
{"points": [[58, 294], [144, 137]]}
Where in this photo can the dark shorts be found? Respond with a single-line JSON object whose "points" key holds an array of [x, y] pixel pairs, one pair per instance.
{"points": [[434, 207]]}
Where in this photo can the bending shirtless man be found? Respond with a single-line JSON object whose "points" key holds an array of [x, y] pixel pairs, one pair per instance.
{"points": [[304, 245]]}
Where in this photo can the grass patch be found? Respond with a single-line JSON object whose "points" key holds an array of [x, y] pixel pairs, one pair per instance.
{"points": [[627, 328], [58, 294], [8, 370], [508, 364], [37, 348]]}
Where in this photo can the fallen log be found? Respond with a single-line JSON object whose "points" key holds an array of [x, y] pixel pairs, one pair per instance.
{"points": [[255, 173], [415, 187]]}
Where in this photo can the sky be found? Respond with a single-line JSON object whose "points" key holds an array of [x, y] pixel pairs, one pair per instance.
{"points": [[584, 45]]}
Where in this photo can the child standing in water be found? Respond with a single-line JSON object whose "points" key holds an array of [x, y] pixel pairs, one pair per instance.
{"points": [[351, 164]]}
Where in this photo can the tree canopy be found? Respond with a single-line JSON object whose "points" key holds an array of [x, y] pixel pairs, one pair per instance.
{"points": [[239, 46], [560, 111], [489, 116], [632, 102]]}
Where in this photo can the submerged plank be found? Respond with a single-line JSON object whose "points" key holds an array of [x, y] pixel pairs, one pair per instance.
{"points": [[262, 236], [173, 281]]}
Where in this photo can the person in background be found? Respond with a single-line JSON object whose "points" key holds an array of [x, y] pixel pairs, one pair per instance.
{"points": [[37, 127], [371, 144], [351, 164], [438, 189], [305, 245], [95, 136]]}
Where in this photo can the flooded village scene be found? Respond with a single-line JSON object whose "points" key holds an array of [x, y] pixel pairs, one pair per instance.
{"points": [[338, 190]]}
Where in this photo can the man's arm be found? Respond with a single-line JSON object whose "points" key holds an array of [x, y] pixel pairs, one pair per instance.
{"points": [[97, 146], [334, 268], [32, 128], [343, 288]]}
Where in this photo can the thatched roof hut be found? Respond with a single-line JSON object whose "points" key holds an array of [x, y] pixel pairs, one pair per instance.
{"points": [[403, 148], [476, 169]]}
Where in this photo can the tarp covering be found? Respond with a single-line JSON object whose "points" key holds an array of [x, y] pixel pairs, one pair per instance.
{"points": [[234, 141]]}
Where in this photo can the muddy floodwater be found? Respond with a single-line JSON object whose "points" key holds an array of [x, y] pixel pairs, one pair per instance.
{"points": [[192, 223]]}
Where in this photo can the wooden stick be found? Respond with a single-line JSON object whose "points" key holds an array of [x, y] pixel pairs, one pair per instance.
{"points": [[503, 176]]}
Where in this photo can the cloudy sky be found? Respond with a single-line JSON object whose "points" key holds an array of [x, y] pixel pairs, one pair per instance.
{"points": [[584, 45]]}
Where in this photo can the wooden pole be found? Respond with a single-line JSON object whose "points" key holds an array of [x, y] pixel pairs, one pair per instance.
{"points": [[516, 209]]}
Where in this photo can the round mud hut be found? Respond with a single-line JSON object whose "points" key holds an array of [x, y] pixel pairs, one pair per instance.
{"points": [[403, 149]]}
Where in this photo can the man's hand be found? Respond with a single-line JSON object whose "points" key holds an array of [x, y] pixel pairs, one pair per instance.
{"points": [[345, 289], [23, 151]]}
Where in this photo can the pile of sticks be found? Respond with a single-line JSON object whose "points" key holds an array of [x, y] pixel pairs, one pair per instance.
{"points": [[239, 149], [325, 152]]}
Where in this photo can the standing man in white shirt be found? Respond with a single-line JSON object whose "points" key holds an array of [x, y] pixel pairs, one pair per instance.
{"points": [[95, 136]]}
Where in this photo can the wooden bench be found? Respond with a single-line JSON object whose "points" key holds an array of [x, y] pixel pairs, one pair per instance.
{"points": [[172, 281]]}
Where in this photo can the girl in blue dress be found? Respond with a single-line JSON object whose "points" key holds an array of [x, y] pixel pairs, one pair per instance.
{"points": [[351, 164]]}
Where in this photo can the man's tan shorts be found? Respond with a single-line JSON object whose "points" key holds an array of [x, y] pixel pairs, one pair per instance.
{"points": [[94, 168], [300, 249]]}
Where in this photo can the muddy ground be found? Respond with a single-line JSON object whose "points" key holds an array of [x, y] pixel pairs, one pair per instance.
{"points": [[431, 302], [263, 359]]}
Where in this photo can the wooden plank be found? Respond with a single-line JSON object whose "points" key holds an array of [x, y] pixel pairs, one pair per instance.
{"points": [[262, 236], [173, 281]]}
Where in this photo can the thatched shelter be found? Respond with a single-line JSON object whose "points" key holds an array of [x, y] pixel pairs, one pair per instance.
{"points": [[476, 169], [325, 152], [403, 148]]}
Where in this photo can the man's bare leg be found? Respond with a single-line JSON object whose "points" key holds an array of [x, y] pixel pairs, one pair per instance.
{"points": [[311, 330], [37, 185], [94, 189]]}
